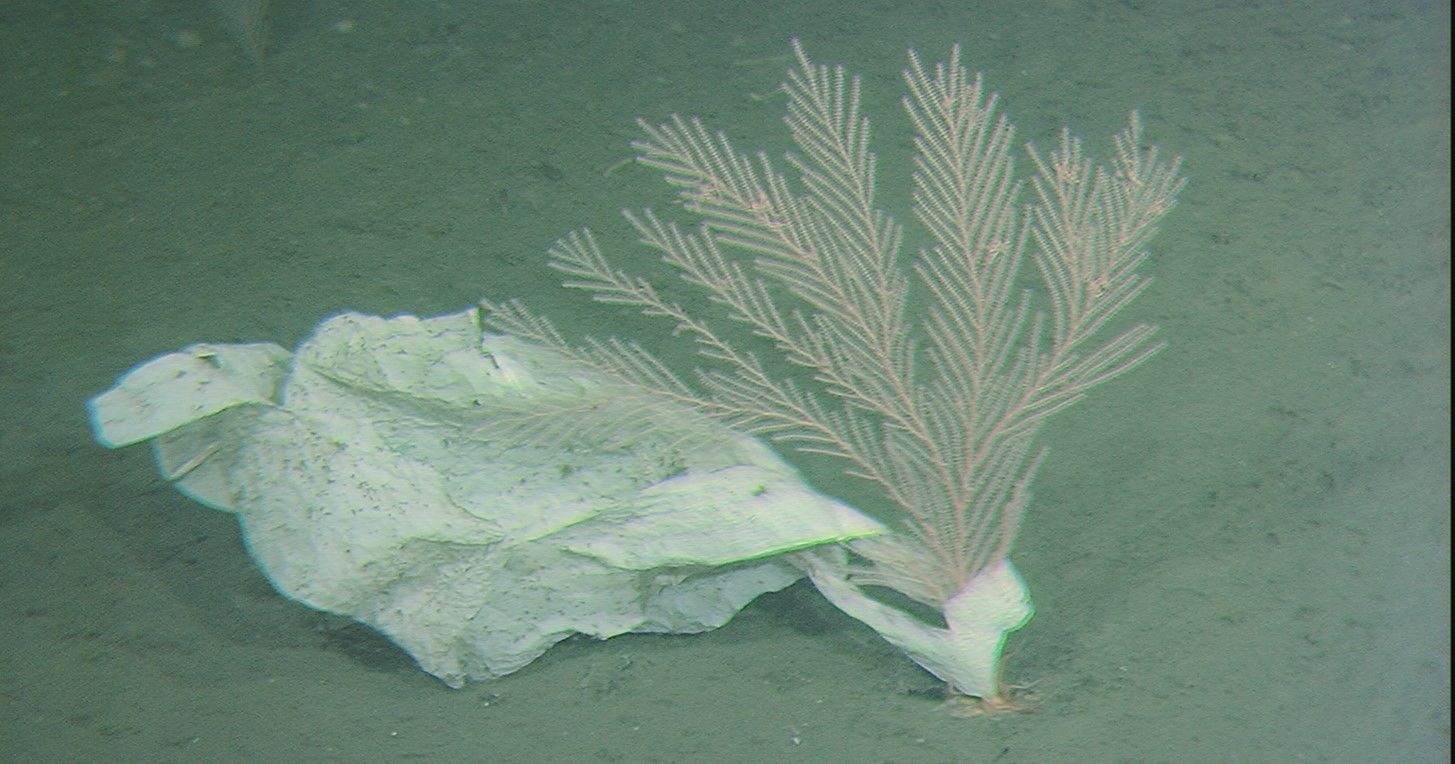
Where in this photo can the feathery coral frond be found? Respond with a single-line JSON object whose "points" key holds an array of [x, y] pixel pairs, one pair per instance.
{"points": [[937, 405]]}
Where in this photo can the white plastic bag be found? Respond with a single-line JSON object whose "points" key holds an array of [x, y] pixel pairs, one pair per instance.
{"points": [[472, 497]]}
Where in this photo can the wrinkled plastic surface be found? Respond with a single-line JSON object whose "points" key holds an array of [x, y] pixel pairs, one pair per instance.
{"points": [[388, 471]]}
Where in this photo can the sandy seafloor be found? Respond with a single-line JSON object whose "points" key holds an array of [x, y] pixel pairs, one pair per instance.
{"points": [[1239, 553]]}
